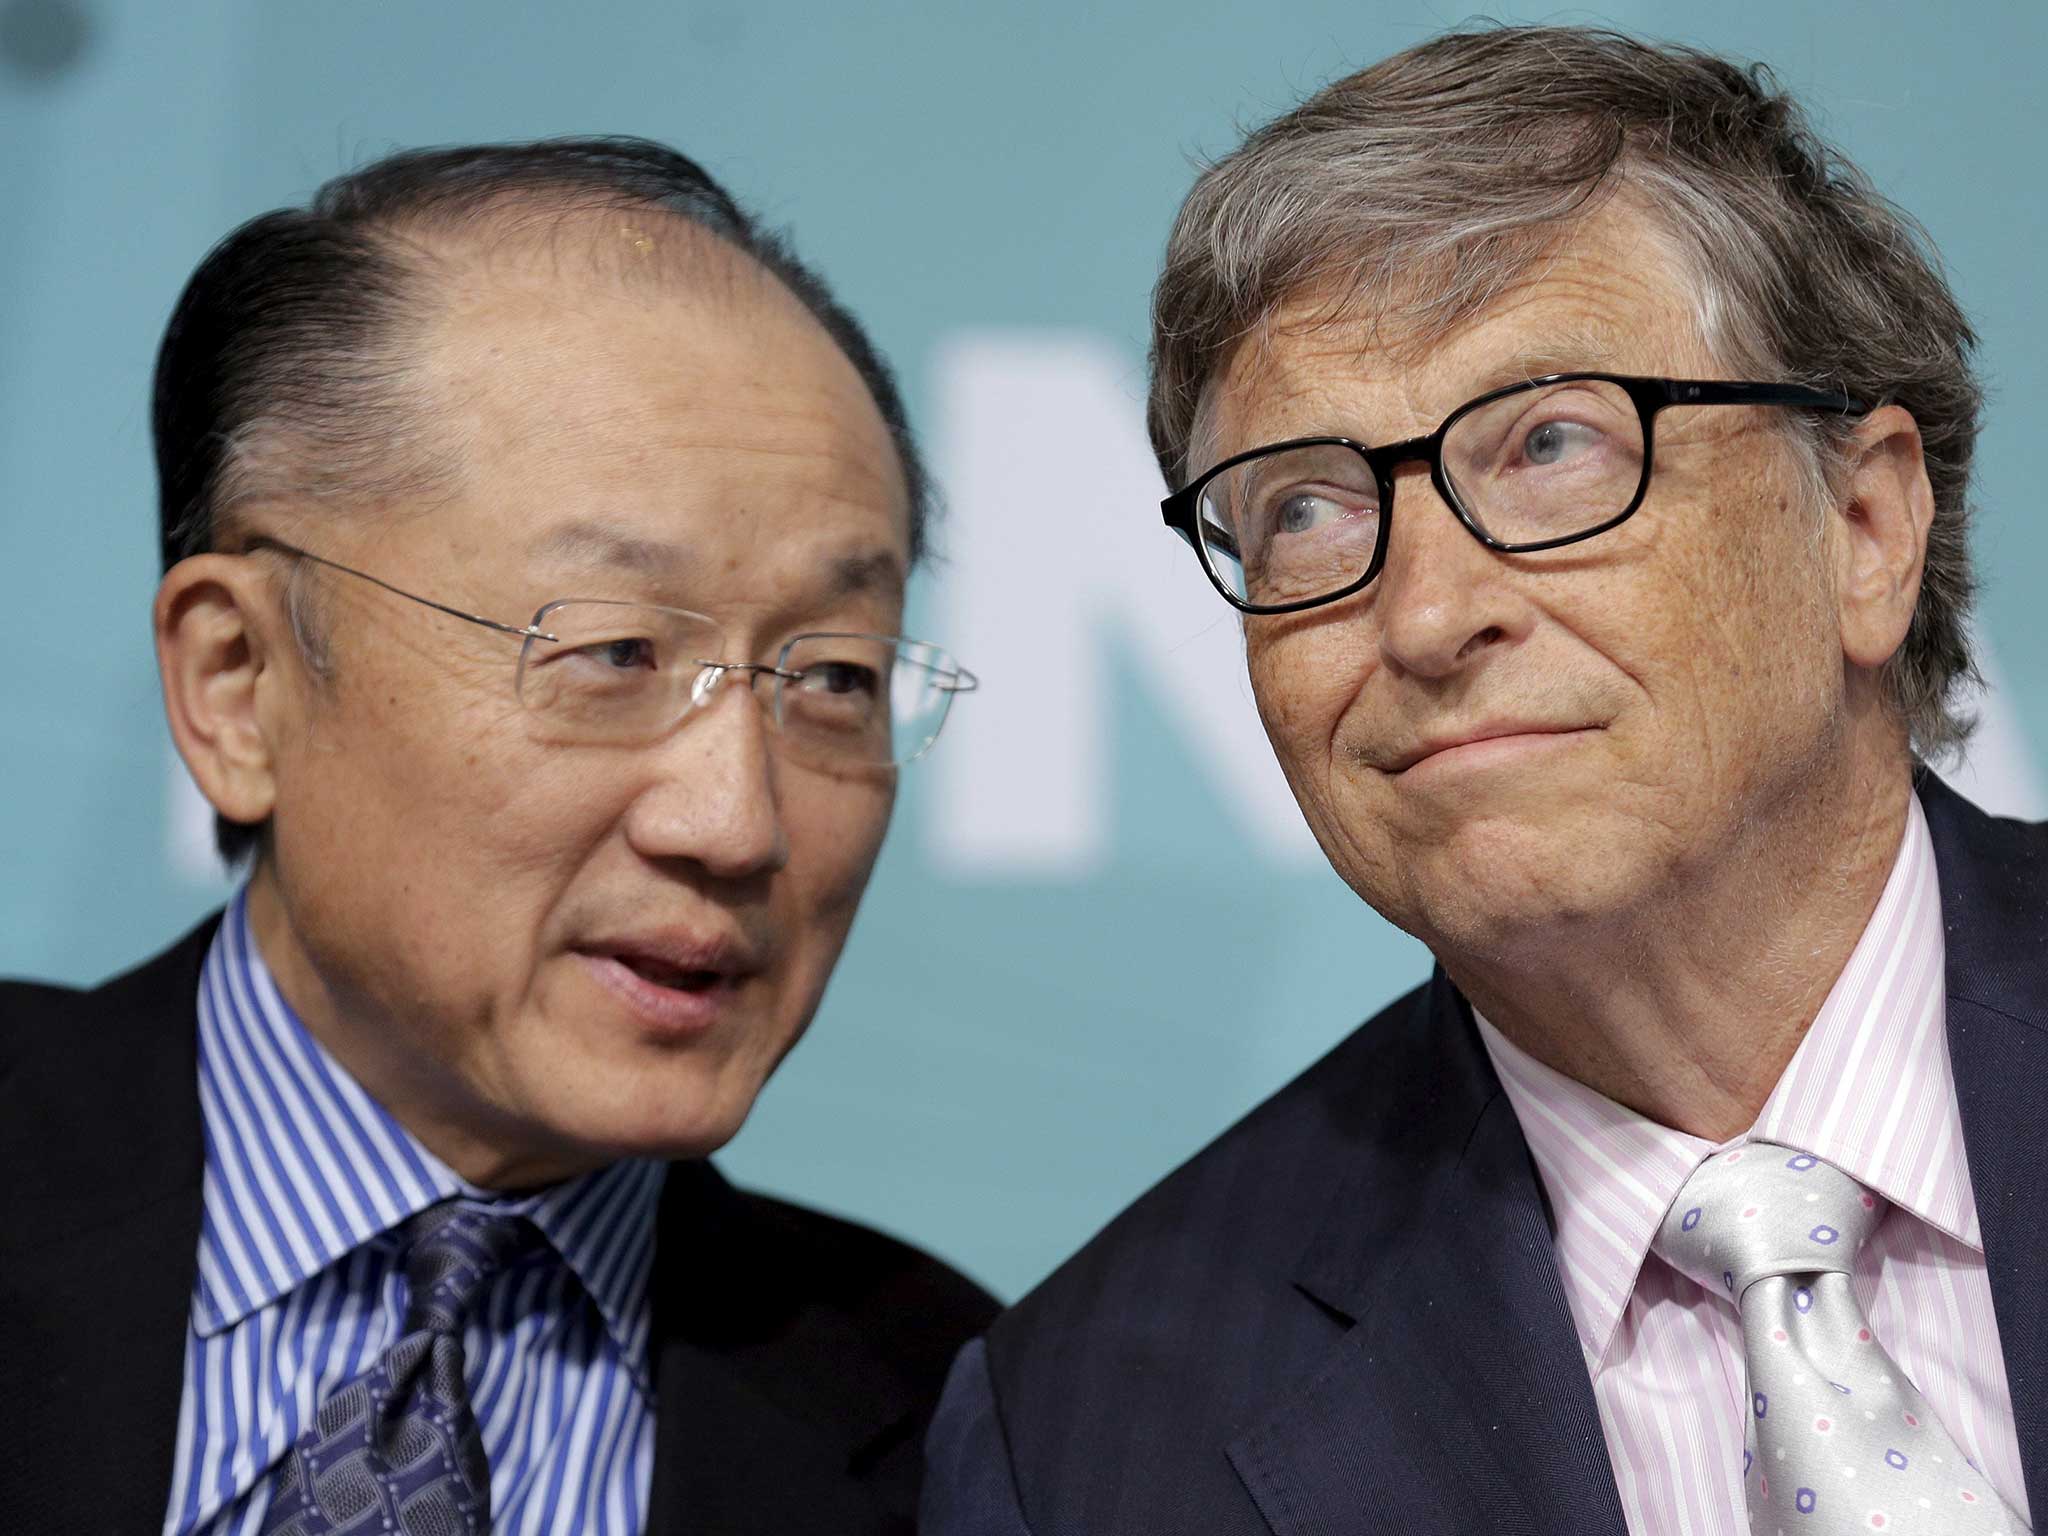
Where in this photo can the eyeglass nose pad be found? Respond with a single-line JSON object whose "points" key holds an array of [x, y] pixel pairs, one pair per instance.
{"points": [[709, 675]]}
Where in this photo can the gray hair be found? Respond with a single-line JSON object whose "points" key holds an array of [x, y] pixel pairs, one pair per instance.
{"points": [[1471, 157]]}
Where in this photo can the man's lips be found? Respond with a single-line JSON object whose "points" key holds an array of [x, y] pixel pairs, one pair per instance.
{"points": [[680, 959], [679, 984], [1438, 743]]}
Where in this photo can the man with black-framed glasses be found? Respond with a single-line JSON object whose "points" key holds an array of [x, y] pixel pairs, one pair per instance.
{"points": [[1585, 447], [536, 532], [1531, 466]]}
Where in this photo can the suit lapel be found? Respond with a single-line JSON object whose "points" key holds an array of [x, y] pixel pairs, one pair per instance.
{"points": [[1459, 1400], [1994, 899], [769, 1407], [99, 1234]]}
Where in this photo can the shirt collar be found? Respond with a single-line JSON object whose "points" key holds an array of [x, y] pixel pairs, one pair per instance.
{"points": [[303, 1167], [1869, 1089]]}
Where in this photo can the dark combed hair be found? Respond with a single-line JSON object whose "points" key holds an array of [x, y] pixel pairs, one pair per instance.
{"points": [[286, 365]]}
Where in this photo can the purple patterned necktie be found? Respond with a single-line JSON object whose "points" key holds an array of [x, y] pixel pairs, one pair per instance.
{"points": [[398, 1449], [1838, 1439]]}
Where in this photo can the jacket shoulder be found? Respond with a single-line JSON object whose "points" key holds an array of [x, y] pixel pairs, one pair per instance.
{"points": [[29, 1012], [1258, 1177], [781, 1326], [32, 1014], [75, 1062], [1994, 900], [818, 1310], [32, 1011], [913, 1306], [1119, 1380]]}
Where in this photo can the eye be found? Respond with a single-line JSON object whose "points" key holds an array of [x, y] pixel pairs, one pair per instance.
{"points": [[626, 654], [1302, 511], [841, 677], [1554, 442], [1298, 514]]}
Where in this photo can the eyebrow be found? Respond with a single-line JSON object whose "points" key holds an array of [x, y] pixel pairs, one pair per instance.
{"points": [[876, 570], [600, 544], [1577, 352]]}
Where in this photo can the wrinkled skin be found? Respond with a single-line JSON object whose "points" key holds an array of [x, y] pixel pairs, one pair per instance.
{"points": [[1653, 876], [444, 882]]}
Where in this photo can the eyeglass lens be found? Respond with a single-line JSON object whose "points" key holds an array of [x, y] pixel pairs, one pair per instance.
{"points": [[1539, 464], [620, 672]]}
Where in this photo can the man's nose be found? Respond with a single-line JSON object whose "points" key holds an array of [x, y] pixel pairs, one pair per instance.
{"points": [[1443, 597], [715, 799]]}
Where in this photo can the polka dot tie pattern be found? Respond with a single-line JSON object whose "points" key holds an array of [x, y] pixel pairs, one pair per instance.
{"points": [[1836, 1438], [397, 1451]]}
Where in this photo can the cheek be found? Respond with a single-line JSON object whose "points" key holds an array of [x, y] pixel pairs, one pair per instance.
{"points": [[449, 798], [835, 836], [1721, 628], [1305, 679], [1748, 627]]}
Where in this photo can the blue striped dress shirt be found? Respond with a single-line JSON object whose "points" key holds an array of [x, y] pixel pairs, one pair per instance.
{"points": [[300, 1285]]}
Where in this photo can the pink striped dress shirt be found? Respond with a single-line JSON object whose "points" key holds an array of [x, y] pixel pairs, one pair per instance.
{"points": [[1869, 1090]]}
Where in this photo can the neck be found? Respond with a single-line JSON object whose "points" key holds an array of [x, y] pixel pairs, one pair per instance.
{"points": [[1688, 1007]]}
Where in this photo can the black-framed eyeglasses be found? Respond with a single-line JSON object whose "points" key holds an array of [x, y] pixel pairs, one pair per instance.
{"points": [[599, 671], [1538, 464]]}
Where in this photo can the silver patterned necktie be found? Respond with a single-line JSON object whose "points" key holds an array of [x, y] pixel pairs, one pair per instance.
{"points": [[1836, 1439], [397, 1450]]}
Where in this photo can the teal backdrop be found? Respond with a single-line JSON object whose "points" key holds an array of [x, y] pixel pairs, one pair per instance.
{"points": [[1098, 933]]}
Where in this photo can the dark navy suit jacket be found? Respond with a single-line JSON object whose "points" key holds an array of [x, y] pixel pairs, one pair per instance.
{"points": [[796, 1357], [1345, 1314]]}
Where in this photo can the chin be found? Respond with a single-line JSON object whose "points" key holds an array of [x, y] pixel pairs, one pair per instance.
{"points": [[1500, 887], [675, 1143], [1505, 927], [579, 1121], [681, 1123]]}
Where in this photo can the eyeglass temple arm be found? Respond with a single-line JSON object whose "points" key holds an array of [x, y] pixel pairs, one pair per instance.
{"points": [[1179, 513], [1731, 392], [523, 631]]}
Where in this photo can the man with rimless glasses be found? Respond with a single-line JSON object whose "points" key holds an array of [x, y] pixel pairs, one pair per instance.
{"points": [[1585, 447], [536, 532]]}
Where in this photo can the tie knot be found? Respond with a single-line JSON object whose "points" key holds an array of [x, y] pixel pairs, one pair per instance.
{"points": [[1761, 1210], [451, 1250]]}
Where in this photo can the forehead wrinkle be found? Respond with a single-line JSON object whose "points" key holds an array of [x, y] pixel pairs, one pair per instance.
{"points": [[595, 544], [1574, 349], [589, 542], [1317, 378], [1616, 255], [630, 435], [801, 429]]}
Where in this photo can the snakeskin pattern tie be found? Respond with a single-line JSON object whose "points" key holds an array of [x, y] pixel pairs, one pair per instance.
{"points": [[1836, 1439], [398, 1449]]}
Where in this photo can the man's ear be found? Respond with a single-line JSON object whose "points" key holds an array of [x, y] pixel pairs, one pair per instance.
{"points": [[216, 653], [1883, 509]]}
